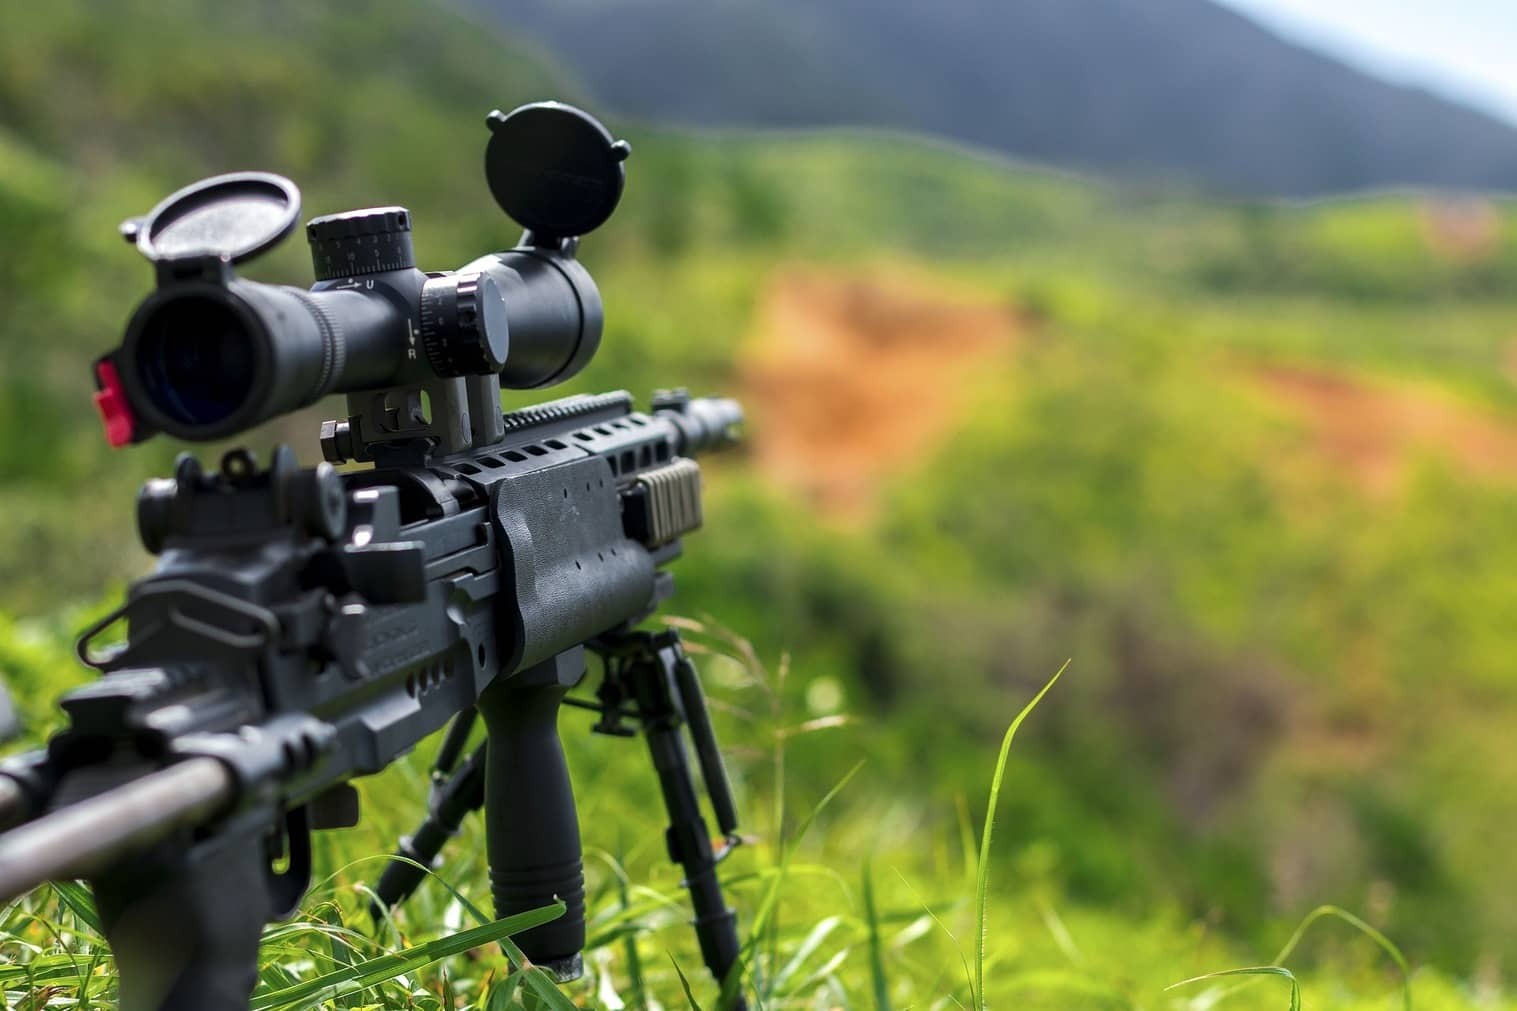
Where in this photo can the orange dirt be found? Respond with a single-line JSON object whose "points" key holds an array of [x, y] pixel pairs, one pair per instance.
{"points": [[850, 378], [1463, 230], [1373, 430]]}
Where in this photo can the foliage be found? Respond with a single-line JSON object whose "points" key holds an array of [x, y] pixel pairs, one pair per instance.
{"points": [[1287, 689]]}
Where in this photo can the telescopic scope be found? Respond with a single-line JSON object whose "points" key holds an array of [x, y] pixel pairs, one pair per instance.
{"points": [[208, 354]]}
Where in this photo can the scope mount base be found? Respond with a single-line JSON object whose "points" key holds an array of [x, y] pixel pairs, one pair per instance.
{"points": [[412, 424]]}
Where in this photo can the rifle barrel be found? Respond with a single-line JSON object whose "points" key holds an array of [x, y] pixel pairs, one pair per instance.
{"points": [[86, 837]]}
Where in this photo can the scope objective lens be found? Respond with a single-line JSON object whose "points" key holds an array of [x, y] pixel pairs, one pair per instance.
{"points": [[195, 360]]}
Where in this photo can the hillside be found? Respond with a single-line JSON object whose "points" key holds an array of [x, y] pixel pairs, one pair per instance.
{"points": [[1172, 89], [1250, 466]]}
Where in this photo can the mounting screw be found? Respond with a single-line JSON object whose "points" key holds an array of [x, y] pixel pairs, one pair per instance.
{"points": [[325, 505], [337, 441]]}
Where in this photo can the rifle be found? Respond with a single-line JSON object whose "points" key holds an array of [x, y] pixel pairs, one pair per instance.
{"points": [[305, 626]]}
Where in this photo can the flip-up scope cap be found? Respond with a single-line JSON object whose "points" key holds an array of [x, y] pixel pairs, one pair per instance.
{"points": [[197, 360], [554, 168], [235, 216]]}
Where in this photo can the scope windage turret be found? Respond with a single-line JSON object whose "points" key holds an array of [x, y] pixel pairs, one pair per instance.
{"points": [[208, 354]]}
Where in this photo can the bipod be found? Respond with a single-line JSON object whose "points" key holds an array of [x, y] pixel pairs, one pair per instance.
{"points": [[650, 682], [650, 685]]}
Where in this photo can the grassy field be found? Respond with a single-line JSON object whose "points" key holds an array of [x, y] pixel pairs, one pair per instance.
{"points": [[1249, 468], [851, 894]]}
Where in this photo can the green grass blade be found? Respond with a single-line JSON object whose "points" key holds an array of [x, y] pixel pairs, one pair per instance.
{"points": [[386, 858], [1385, 944], [340, 952], [825, 973], [638, 987], [772, 894], [982, 871], [87, 978], [538, 981], [503, 996], [957, 947], [966, 835], [80, 903], [350, 979], [49, 970], [804, 951], [1060, 933], [1253, 970], [877, 978], [689, 994]]}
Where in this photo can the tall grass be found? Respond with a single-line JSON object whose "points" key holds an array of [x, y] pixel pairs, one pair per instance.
{"points": [[982, 864], [856, 906], [1277, 965]]}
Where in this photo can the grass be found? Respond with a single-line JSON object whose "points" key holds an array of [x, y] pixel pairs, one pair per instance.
{"points": [[982, 862], [355, 979], [812, 937], [1277, 966]]}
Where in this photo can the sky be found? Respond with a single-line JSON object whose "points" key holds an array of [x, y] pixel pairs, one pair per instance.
{"points": [[1464, 49]]}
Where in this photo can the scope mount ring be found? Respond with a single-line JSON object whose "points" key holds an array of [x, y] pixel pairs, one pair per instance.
{"points": [[229, 218], [554, 169]]}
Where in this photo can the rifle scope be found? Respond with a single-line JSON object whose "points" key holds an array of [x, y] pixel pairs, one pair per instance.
{"points": [[208, 355]]}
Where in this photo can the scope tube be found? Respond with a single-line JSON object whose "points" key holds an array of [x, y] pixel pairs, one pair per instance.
{"points": [[554, 312], [204, 361]]}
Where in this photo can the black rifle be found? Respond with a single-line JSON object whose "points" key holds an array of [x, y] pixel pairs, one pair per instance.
{"points": [[305, 626]]}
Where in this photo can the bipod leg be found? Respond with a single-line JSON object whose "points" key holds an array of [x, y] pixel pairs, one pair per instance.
{"points": [[651, 669], [455, 793]]}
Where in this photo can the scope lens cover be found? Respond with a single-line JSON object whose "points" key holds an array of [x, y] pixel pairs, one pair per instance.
{"points": [[238, 216], [554, 168]]}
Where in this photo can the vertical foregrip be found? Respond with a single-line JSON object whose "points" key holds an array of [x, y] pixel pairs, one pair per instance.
{"points": [[532, 830]]}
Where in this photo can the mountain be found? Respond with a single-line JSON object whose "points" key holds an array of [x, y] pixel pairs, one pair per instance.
{"points": [[1175, 89]]}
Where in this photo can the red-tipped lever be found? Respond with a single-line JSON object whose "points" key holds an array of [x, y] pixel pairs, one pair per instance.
{"points": [[110, 401]]}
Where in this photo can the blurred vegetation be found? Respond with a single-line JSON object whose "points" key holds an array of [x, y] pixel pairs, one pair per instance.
{"points": [[1287, 688]]}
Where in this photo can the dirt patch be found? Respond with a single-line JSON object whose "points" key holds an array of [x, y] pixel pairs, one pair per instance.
{"points": [[851, 378], [1462, 230], [1373, 430]]}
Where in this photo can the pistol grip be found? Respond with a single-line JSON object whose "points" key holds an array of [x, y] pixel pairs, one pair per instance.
{"points": [[531, 828]]}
